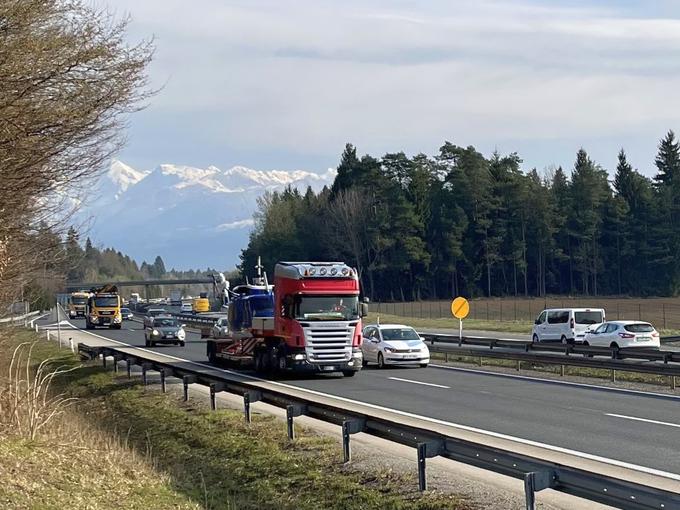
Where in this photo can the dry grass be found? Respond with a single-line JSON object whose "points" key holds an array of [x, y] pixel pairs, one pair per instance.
{"points": [[52, 456]]}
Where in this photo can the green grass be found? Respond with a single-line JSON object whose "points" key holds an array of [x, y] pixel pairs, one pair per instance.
{"points": [[452, 324], [126, 447]]}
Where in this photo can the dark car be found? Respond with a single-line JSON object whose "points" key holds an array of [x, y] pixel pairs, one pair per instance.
{"points": [[164, 330], [127, 314]]}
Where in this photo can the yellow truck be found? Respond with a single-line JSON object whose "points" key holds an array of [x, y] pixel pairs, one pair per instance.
{"points": [[201, 304], [77, 303], [103, 308]]}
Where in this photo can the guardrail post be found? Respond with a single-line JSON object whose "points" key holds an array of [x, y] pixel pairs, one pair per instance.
{"points": [[446, 357], [162, 372], [116, 359], [425, 450], [349, 427], [248, 398], [291, 412], [562, 370], [128, 363], [672, 382], [613, 375], [104, 360], [480, 361], [145, 367], [534, 482], [186, 381], [214, 388], [519, 365]]}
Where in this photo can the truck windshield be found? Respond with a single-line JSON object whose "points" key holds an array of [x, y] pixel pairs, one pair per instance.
{"points": [[105, 301], [78, 300], [320, 308]]}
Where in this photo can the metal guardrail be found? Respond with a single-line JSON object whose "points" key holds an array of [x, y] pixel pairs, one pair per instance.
{"points": [[538, 474]]}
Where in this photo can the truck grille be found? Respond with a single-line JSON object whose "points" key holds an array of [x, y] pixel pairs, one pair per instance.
{"points": [[328, 342]]}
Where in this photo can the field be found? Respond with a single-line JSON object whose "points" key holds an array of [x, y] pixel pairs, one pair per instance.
{"points": [[664, 313]]}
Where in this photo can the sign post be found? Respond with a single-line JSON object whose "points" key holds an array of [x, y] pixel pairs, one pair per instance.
{"points": [[460, 308]]}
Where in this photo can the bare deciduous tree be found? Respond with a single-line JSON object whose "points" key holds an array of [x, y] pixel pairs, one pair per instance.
{"points": [[68, 80]]}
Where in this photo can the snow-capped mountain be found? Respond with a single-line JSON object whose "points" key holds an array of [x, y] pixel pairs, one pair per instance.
{"points": [[192, 217]]}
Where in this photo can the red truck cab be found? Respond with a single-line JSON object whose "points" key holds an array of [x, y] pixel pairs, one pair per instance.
{"points": [[317, 314]]}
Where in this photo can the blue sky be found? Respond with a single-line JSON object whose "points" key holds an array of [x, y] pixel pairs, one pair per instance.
{"points": [[285, 84]]}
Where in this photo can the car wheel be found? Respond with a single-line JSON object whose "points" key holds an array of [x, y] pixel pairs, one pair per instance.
{"points": [[364, 362], [153, 344], [147, 343], [349, 373], [181, 344], [587, 344], [614, 345], [423, 365], [535, 338], [564, 340], [381, 360]]}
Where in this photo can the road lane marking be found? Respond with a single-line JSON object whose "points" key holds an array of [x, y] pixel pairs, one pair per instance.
{"points": [[498, 435], [556, 381], [419, 382], [655, 422]]}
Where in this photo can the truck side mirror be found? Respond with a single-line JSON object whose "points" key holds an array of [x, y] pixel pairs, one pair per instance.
{"points": [[363, 309]]}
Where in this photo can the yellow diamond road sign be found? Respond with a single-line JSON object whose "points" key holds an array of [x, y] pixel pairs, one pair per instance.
{"points": [[460, 308]]}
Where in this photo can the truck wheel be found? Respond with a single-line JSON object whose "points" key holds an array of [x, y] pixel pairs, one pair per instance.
{"points": [[258, 361], [349, 373]]}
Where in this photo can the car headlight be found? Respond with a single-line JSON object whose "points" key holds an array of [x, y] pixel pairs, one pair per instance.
{"points": [[155, 332], [390, 349], [181, 334]]}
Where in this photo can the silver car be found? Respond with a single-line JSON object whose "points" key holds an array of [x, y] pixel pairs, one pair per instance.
{"points": [[164, 330], [221, 328]]}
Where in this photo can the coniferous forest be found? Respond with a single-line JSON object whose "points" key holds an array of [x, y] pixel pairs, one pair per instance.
{"points": [[462, 223]]}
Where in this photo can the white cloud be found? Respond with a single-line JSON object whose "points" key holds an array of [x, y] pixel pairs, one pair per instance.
{"points": [[278, 74]]}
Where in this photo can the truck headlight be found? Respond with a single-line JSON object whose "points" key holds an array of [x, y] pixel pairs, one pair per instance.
{"points": [[299, 357], [94, 318], [117, 319]]}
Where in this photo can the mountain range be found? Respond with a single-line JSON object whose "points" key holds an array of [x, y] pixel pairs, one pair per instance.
{"points": [[191, 217]]}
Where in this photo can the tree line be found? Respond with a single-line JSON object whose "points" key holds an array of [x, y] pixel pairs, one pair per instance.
{"points": [[460, 223]]}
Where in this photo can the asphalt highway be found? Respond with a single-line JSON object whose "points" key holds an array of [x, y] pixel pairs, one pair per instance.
{"points": [[642, 429]]}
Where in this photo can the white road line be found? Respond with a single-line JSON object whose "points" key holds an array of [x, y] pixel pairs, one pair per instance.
{"points": [[655, 422], [557, 381], [559, 449], [419, 382]]}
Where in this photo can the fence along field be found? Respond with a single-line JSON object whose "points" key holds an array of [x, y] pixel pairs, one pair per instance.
{"points": [[664, 313]]}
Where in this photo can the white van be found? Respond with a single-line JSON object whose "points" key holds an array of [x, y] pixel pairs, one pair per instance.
{"points": [[566, 325]]}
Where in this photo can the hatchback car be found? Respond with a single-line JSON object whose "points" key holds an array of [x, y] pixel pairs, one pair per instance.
{"points": [[221, 328], [164, 330], [151, 313], [393, 344], [624, 334], [127, 314]]}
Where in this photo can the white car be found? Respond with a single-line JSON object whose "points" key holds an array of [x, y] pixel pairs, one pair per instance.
{"points": [[221, 328], [624, 334], [186, 308], [393, 344]]}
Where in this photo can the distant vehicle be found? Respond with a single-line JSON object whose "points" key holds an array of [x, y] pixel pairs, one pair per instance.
{"points": [[127, 314], [164, 330], [624, 334], [393, 344], [221, 328], [175, 298], [134, 298], [201, 304], [103, 308], [151, 313], [566, 325], [77, 304], [186, 308]]}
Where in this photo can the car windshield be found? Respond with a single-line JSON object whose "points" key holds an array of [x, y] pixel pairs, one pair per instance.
{"points": [[639, 328], [399, 334], [125, 310], [78, 300], [222, 322], [588, 317], [105, 301], [326, 307], [153, 313], [165, 322]]}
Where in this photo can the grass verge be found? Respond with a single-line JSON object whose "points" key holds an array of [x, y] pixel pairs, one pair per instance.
{"points": [[123, 447]]}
